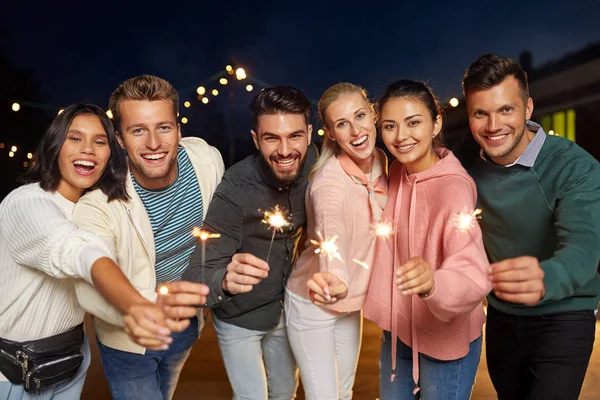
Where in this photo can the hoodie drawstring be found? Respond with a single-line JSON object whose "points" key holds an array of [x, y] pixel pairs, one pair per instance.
{"points": [[413, 326], [394, 325], [394, 336]]}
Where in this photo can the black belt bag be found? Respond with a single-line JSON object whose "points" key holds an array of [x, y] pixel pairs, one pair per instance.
{"points": [[40, 363]]}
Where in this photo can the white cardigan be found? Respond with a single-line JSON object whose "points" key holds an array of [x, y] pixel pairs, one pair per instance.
{"points": [[41, 251], [126, 230]]}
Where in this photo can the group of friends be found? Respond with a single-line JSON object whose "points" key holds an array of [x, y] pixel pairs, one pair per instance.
{"points": [[103, 221]]}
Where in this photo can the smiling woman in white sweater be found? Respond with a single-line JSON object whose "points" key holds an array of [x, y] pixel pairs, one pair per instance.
{"points": [[41, 251]]}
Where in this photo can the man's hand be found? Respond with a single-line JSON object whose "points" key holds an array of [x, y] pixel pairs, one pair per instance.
{"points": [[326, 288], [415, 277], [150, 325], [518, 280], [243, 272]]}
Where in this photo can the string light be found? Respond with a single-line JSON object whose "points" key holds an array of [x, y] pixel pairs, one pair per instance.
{"points": [[16, 107], [201, 90], [215, 92], [187, 104], [249, 88]]}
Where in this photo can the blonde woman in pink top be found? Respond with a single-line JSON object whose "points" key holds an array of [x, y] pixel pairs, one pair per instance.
{"points": [[428, 281], [346, 193]]}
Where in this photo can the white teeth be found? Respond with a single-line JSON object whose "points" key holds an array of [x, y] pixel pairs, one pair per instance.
{"points": [[154, 156], [285, 162], [410, 146], [360, 141], [496, 138], [84, 163]]}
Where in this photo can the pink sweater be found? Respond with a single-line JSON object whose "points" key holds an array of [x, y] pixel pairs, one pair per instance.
{"points": [[422, 207], [337, 205]]}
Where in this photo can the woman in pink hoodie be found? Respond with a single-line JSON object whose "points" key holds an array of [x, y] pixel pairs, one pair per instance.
{"points": [[428, 280]]}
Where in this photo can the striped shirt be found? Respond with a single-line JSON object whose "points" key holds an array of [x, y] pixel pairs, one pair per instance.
{"points": [[174, 212]]}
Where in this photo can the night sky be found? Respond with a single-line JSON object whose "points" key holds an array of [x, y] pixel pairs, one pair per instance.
{"points": [[82, 50]]}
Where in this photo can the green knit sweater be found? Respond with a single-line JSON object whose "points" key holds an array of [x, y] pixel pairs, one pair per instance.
{"points": [[550, 211]]}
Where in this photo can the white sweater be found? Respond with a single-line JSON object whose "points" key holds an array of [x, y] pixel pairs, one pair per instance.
{"points": [[41, 252]]}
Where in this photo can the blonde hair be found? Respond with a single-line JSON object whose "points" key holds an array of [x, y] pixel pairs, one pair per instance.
{"points": [[143, 87], [331, 148]]}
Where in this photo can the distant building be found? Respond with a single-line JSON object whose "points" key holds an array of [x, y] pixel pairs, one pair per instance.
{"points": [[566, 99]]}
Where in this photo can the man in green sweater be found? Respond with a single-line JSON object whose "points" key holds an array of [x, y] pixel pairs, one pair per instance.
{"points": [[540, 197]]}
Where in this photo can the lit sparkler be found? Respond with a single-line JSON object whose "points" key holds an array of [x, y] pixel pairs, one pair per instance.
{"points": [[382, 230], [277, 219], [203, 236], [327, 247], [465, 220]]}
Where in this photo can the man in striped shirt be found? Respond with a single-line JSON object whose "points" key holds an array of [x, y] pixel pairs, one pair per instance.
{"points": [[171, 181]]}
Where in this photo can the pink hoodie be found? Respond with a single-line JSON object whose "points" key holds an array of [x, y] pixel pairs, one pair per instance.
{"points": [[422, 207]]}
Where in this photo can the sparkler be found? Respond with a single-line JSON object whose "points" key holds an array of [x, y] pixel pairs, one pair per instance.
{"points": [[203, 236], [327, 247], [380, 230], [277, 219], [465, 220]]}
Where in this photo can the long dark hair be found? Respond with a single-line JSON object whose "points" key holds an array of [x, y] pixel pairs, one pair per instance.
{"points": [[45, 169]]}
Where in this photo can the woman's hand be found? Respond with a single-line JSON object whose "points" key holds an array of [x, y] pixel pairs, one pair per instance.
{"points": [[326, 288], [415, 277]]}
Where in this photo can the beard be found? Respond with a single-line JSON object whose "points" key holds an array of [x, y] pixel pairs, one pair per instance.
{"points": [[287, 176]]}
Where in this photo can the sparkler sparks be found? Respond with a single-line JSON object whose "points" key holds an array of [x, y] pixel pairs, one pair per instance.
{"points": [[382, 230], [465, 220], [203, 236], [277, 219], [361, 263], [327, 247]]}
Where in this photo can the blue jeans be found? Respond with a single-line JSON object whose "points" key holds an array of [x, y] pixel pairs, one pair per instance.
{"points": [[438, 380], [150, 376], [260, 365], [68, 390]]}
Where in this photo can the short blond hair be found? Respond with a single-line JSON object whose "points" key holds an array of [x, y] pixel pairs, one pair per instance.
{"points": [[143, 87]]}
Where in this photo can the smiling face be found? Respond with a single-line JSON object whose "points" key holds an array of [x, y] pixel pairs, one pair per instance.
{"points": [[350, 122], [497, 119], [150, 135], [408, 131], [283, 140], [83, 156]]}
